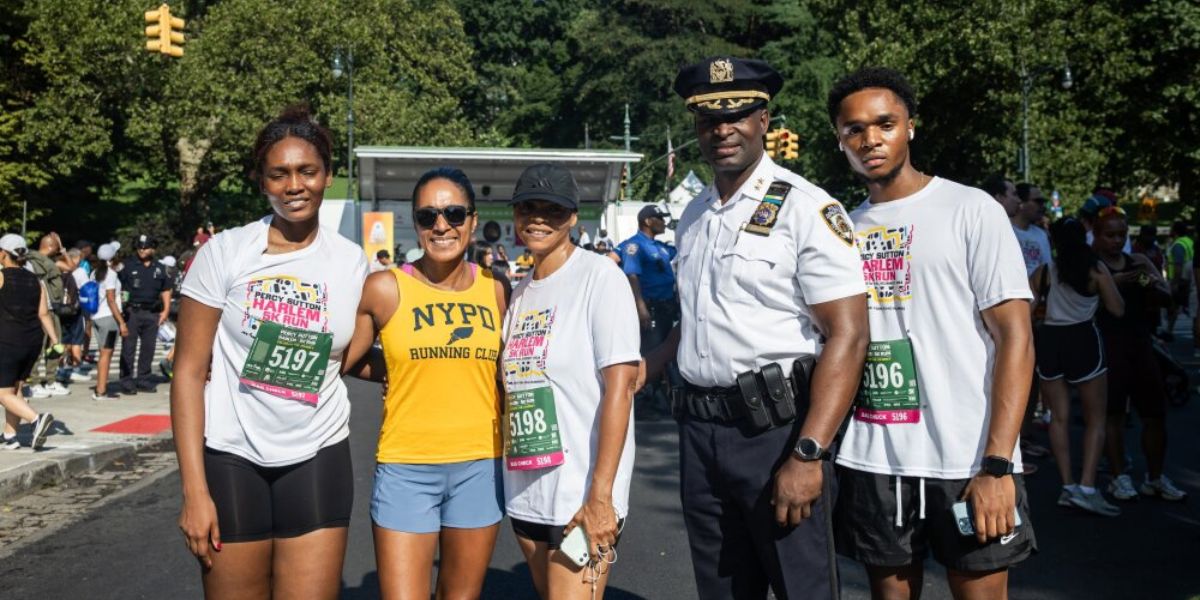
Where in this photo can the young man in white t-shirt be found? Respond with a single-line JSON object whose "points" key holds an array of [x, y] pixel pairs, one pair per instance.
{"points": [[948, 369], [1033, 240]]}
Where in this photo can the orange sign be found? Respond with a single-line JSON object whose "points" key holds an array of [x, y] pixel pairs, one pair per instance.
{"points": [[378, 233]]}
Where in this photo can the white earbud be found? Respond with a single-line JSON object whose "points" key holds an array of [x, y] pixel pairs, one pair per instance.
{"points": [[841, 148], [911, 135]]}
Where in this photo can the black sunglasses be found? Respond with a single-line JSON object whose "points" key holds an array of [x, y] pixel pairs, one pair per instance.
{"points": [[455, 215]]}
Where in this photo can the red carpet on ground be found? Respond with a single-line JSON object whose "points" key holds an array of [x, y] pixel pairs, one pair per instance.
{"points": [[138, 425]]}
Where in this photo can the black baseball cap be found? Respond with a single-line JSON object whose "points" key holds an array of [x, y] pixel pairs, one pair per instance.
{"points": [[652, 211], [548, 182]]}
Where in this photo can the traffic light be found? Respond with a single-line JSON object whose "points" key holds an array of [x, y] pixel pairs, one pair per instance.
{"points": [[789, 147], [624, 184], [773, 144], [166, 35]]}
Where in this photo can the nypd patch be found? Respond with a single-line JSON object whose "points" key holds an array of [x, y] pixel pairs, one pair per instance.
{"points": [[837, 221], [631, 249]]}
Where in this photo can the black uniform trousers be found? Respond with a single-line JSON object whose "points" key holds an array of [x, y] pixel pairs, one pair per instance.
{"points": [[143, 327], [726, 484], [664, 315]]}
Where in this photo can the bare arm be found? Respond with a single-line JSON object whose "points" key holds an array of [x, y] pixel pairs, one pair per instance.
{"points": [[380, 298], [110, 296], [196, 331], [834, 382], [1106, 288], [994, 498], [643, 311], [44, 317], [165, 297], [1156, 278], [1035, 285], [598, 516]]}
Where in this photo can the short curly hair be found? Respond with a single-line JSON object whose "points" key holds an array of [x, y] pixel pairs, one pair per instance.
{"points": [[871, 77]]}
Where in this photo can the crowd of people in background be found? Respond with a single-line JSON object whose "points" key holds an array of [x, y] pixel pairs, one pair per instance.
{"points": [[1103, 306]]}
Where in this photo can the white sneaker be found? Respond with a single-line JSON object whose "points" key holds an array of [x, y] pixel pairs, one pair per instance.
{"points": [[1064, 499], [1121, 488], [10, 443], [1163, 488], [57, 389], [78, 377], [38, 391]]}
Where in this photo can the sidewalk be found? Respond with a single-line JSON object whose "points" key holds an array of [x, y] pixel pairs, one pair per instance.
{"points": [[87, 434]]}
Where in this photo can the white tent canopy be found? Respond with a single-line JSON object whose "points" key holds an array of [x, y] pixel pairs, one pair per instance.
{"points": [[389, 172]]}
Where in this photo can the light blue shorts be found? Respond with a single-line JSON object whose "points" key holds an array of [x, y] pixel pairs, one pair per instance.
{"points": [[425, 498]]}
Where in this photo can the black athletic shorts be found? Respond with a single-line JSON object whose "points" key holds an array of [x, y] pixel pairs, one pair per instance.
{"points": [[258, 503], [865, 526], [551, 535], [17, 362], [1135, 380], [1074, 352]]}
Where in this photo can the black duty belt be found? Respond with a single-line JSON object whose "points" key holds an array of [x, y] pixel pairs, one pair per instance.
{"points": [[711, 404], [144, 306]]}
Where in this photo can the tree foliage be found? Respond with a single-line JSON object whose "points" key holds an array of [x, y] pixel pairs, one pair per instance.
{"points": [[87, 116]]}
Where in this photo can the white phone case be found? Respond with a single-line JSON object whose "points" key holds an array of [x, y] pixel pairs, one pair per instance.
{"points": [[575, 546]]}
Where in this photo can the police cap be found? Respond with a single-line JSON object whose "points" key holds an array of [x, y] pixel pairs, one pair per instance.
{"points": [[725, 85], [145, 241]]}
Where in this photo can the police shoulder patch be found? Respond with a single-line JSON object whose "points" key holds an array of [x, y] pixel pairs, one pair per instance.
{"points": [[631, 249], [837, 221]]}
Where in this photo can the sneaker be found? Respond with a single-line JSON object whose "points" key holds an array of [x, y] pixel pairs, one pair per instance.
{"points": [[1163, 488], [40, 428], [1094, 503], [1064, 499], [167, 368], [38, 391], [9, 443], [78, 377], [109, 395], [57, 389], [1121, 488]]}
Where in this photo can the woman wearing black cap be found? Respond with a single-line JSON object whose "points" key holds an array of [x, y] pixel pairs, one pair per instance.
{"points": [[569, 366]]}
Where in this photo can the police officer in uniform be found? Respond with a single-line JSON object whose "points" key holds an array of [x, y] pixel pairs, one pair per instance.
{"points": [[770, 344], [149, 287], [647, 263]]}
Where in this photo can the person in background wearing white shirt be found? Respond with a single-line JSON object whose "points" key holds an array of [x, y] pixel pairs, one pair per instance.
{"points": [[109, 322], [768, 281], [382, 262], [267, 311], [1033, 240], [948, 369], [569, 366]]}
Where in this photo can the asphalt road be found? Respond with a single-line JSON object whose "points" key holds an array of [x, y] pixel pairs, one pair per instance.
{"points": [[130, 548]]}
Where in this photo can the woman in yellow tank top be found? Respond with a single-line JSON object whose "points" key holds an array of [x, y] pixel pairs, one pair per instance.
{"points": [[437, 473]]}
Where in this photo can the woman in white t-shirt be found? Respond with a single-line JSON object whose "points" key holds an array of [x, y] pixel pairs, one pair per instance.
{"points": [[108, 321], [570, 360], [262, 446]]}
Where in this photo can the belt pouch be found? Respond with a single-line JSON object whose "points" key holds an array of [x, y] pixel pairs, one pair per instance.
{"points": [[779, 395], [752, 404]]}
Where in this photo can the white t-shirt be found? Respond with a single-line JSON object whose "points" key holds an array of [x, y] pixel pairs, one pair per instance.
{"points": [[1035, 247], [561, 331], [111, 282], [932, 262], [80, 275], [316, 288]]}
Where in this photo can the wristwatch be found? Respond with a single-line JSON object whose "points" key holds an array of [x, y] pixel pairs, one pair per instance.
{"points": [[808, 450], [997, 466]]}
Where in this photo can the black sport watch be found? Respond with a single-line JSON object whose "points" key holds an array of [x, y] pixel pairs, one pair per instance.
{"points": [[808, 450], [997, 466]]}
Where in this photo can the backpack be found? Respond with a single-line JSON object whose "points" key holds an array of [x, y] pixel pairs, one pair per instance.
{"points": [[69, 306], [47, 272], [89, 297]]}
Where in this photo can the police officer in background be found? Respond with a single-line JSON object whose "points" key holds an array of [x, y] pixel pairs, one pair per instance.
{"points": [[149, 305], [770, 344], [647, 263]]}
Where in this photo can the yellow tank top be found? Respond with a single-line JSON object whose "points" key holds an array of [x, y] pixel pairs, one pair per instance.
{"points": [[441, 350]]}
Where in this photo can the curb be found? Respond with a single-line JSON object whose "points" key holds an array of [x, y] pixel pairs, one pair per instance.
{"points": [[66, 464]]}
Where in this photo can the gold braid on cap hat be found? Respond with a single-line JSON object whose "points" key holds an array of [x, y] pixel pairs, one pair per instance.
{"points": [[734, 99]]}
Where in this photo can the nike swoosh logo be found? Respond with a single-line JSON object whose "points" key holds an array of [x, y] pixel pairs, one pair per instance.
{"points": [[1004, 540]]}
